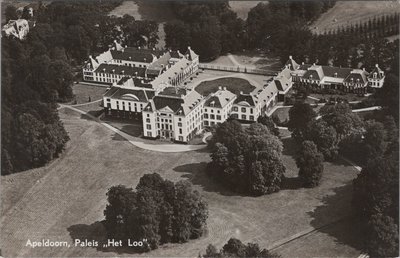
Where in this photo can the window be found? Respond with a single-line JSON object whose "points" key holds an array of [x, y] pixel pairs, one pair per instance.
{"points": [[206, 116], [148, 115], [212, 110], [244, 117], [148, 127], [252, 118], [180, 124], [251, 111], [212, 116], [243, 110], [149, 134], [181, 138], [206, 123], [148, 120], [218, 117], [235, 108], [180, 130], [108, 100]]}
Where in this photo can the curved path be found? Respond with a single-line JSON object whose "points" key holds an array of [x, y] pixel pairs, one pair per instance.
{"points": [[139, 142]]}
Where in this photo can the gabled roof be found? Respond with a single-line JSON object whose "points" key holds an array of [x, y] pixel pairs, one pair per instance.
{"points": [[291, 64], [191, 54], [134, 56], [379, 73]]}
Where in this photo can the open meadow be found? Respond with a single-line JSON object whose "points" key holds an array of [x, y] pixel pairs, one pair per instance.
{"points": [[65, 200], [345, 13]]}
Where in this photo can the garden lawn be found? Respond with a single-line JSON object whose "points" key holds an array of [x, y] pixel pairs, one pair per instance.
{"points": [[82, 93], [66, 199], [234, 85]]}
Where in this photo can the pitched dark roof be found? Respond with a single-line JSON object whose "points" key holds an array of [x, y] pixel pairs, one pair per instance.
{"points": [[353, 77], [378, 71], [111, 92], [331, 70], [312, 74], [161, 102], [132, 55], [128, 70]]}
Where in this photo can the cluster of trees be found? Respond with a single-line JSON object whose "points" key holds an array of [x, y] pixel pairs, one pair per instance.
{"points": [[210, 28], [11, 13], [383, 26], [159, 211], [246, 160], [235, 248], [32, 81], [213, 29], [39, 71], [376, 188]]}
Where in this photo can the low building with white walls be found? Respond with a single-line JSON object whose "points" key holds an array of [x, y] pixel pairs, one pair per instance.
{"points": [[347, 80]]}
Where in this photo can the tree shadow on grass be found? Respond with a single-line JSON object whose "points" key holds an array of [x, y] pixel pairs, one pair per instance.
{"points": [[290, 147], [336, 218], [97, 232], [291, 183], [197, 174]]}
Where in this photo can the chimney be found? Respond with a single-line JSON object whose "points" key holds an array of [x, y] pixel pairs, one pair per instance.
{"points": [[113, 70], [290, 57], [189, 47], [219, 88], [130, 58], [364, 69], [123, 72], [302, 63], [139, 48], [376, 65], [241, 92], [224, 88], [90, 56], [182, 96]]}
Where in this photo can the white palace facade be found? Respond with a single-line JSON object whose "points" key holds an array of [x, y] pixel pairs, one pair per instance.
{"points": [[147, 84]]}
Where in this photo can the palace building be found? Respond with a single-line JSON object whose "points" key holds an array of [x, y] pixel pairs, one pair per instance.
{"points": [[147, 85], [337, 78]]}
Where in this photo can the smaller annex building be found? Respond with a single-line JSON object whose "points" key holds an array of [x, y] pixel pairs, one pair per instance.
{"points": [[337, 78]]}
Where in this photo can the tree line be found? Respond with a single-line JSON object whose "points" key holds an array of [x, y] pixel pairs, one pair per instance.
{"points": [[382, 26], [213, 29], [159, 211]]}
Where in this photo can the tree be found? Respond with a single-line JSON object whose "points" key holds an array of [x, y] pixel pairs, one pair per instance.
{"points": [[269, 123], [159, 211], [247, 161], [383, 237], [324, 137], [374, 140], [299, 117], [376, 203], [310, 163], [235, 248], [11, 13]]}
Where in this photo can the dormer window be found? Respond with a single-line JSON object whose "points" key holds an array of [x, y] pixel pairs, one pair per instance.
{"points": [[375, 75], [335, 74]]}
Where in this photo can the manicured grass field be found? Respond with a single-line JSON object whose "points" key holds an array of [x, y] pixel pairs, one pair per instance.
{"points": [[234, 85], [65, 200], [83, 92]]}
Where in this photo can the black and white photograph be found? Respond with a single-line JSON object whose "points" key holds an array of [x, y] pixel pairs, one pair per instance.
{"points": [[199, 128]]}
